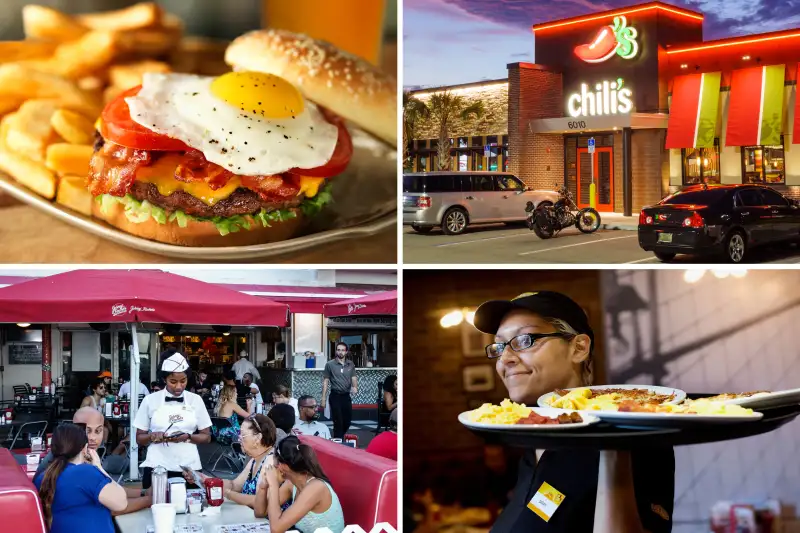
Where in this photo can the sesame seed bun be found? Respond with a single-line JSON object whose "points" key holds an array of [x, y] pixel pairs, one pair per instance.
{"points": [[199, 233], [347, 85]]}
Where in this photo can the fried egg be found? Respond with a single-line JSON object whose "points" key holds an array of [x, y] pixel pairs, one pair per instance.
{"points": [[249, 123]]}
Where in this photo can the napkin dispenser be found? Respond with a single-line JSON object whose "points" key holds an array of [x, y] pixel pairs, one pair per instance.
{"points": [[177, 494]]}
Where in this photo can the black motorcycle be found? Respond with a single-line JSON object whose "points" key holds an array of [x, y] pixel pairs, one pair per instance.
{"points": [[548, 219]]}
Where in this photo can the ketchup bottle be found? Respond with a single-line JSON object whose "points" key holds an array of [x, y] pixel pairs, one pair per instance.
{"points": [[214, 491]]}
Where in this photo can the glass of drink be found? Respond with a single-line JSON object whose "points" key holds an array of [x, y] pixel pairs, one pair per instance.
{"points": [[355, 26]]}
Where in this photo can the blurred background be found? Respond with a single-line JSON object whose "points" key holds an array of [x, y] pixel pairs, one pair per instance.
{"points": [[700, 331]]}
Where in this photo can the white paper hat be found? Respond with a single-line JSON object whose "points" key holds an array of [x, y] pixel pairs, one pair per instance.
{"points": [[175, 363], [243, 353]]}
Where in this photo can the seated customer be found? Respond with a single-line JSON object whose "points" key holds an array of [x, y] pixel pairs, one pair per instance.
{"points": [[390, 392], [253, 391], [385, 444], [297, 474], [283, 416], [309, 423], [93, 422], [283, 395], [74, 489], [228, 408]]}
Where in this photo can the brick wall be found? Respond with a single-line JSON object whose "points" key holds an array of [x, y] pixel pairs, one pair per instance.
{"points": [[649, 166], [438, 452], [534, 92]]}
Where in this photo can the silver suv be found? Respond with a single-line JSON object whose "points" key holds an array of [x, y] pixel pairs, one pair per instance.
{"points": [[455, 200]]}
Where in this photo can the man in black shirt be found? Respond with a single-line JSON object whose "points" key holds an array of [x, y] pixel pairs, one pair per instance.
{"points": [[543, 342]]}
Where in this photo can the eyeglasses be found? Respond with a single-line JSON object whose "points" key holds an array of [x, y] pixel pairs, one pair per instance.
{"points": [[242, 435], [520, 342]]}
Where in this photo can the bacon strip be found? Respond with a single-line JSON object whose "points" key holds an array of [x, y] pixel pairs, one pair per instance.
{"points": [[112, 169]]}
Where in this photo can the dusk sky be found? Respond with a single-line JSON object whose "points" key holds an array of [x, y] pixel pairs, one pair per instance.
{"points": [[458, 41]]}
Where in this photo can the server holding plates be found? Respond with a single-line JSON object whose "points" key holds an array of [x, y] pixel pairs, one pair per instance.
{"points": [[172, 422]]}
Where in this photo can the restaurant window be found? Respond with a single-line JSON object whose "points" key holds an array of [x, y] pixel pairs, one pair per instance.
{"points": [[701, 165], [505, 153], [434, 144], [477, 141], [422, 163], [307, 332], [494, 150], [764, 164], [463, 142]]}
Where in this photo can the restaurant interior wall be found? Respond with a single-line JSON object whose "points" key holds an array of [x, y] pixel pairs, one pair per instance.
{"points": [[438, 452], [714, 335]]}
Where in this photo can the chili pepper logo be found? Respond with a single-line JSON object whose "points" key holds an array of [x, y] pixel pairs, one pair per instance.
{"points": [[619, 39]]}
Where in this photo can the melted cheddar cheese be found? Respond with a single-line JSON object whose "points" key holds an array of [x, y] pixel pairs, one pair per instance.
{"points": [[161, 173]]}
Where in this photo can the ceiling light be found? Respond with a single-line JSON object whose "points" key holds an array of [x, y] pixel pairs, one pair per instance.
{"points": [[160, 333], [23, 325], [226, 334], [721, 274], [739, 273], [694, 275], [470, 317], [746, 58], [684, 66], [451, 319]]}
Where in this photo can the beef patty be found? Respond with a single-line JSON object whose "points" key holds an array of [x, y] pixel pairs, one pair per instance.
{"points": [[241, 202]]}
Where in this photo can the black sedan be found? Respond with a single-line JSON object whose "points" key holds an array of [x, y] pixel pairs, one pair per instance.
{"points": [[714, 219]]}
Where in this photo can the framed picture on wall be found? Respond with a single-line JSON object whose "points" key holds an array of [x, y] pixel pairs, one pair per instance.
{"points": [[473, 342], [478, 378]]}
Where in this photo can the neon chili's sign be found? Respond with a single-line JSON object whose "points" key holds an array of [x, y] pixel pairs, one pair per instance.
{"points": [[619, 39], [607, 98]]}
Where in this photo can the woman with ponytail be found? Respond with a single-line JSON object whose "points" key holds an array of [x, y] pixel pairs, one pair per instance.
{"points": [[297, 475], [74, 489]]}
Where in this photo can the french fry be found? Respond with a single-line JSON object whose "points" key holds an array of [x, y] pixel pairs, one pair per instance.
{"points": [[142, 15], [9, 104], [22, 82], [31, 174], [73, 127], [5, 124], [48, 24], [72, 193], [130, 75], [11, 51], [64, 158], [83, 57], [30, 131]]}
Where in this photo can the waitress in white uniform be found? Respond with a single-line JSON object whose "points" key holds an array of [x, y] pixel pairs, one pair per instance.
{"points": [[172, 422]]}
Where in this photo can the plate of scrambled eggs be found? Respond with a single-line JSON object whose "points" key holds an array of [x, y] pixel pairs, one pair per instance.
{"points": [[517, 417], [607, 397]]}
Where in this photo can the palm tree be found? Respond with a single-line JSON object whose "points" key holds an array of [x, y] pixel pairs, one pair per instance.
{"points": [[444, 108], [414, 110]]}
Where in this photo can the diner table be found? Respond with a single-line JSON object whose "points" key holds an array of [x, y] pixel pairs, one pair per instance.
{"points": [[230, 513]]}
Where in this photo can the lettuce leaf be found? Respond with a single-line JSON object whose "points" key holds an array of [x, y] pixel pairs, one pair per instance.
{"points": [[138, 212]]}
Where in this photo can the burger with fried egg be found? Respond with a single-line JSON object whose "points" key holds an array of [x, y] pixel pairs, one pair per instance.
{"points": [[244, 158]]}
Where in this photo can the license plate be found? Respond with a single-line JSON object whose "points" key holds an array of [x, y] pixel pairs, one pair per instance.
{"points": [[665, 237]]}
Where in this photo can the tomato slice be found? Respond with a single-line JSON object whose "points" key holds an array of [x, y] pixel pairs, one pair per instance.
{"points": [[341, 154], [117, 126]]}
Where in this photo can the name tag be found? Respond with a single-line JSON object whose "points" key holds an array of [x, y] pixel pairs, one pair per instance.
{"points": [[545, 502]]}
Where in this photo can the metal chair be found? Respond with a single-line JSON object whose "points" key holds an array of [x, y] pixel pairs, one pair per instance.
{"points": [[226, 452], [21, 390], [31, 429]]}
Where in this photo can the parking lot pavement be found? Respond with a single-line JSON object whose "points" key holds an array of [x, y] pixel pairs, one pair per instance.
{"points": [[516, 244]]}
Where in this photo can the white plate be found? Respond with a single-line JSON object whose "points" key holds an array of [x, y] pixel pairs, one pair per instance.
{"points": [[668, 420], [767, 400], [679, 394], [588, 420]]}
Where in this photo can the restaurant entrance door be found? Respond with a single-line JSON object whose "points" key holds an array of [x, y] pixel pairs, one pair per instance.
{"points": [[603, 177]]}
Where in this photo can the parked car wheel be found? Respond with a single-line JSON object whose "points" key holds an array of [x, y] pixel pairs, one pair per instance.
{"points": [[455, 221], [421, 229], [736, 247], [664, 257]]}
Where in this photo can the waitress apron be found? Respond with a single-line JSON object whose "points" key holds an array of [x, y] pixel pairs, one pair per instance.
{"points": [[181, 417]]}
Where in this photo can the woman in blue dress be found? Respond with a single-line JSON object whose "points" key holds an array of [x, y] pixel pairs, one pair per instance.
{"points": [[227, 407], [74, 489]]}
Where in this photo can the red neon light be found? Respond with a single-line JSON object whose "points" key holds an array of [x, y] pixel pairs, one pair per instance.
{"points": [[617, 13], [733, 43]]}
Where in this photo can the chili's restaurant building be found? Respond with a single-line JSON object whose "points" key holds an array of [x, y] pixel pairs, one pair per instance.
{"points": [[665, 109]]}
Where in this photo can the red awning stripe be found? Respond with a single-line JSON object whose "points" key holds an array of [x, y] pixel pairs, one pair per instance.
{"points": [[755, 113], [796, 131], [683, 111]]}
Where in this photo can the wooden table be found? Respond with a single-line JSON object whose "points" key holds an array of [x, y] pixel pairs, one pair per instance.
{"points": [[30, 236], [231, 513]]}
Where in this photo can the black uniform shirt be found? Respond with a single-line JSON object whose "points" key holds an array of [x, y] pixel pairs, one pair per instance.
{"points": [[574, 474]]}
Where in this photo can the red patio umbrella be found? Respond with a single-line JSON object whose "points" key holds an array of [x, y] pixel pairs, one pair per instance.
{"points": [[382, 303], [134, 296]]}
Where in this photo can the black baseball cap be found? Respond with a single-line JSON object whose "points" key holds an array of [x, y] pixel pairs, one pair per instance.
{"points": [[547, 304]]}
